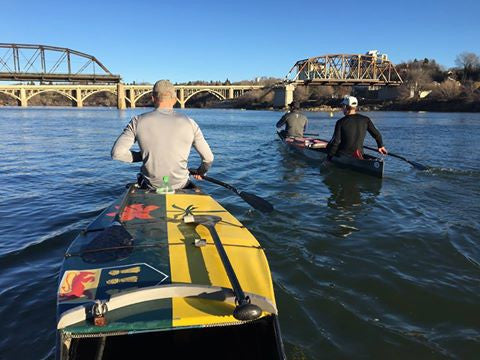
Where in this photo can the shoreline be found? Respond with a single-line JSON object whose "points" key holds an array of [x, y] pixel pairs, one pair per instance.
{"points": [[372, 105]]}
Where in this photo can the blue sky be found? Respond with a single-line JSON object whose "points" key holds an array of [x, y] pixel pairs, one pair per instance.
{"points": [[214, 40]]}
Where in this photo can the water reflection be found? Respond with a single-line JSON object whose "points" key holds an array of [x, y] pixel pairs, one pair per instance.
{"points": [[349, 189], [350, 195]]}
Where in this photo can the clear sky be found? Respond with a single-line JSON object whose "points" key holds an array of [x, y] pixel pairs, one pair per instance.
{"points": [[214, 40]]}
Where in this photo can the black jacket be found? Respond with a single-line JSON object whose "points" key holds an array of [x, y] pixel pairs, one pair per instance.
{"points": [[350, 133]]}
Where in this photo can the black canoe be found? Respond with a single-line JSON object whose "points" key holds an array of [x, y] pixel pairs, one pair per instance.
{"points": [[316, 149]]}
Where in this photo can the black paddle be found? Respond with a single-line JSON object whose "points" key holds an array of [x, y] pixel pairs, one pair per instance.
{"points": [[416, 165], [253, 200], [244, 309]]}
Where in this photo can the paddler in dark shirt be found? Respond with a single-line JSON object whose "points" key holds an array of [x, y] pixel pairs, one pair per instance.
{"points": [[295, 122], [350, 132]]}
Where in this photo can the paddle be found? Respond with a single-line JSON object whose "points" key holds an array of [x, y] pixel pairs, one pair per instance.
{"points": [[253, 200], [244, 309], [416, 165]]}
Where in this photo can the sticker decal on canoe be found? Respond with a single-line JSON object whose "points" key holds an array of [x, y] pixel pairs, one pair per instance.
{"points": [[190, 210], [79, 285], [135, 211]]}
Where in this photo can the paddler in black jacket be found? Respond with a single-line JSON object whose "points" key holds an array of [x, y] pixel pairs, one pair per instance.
{"points": [[350, 132], [295, 122]]}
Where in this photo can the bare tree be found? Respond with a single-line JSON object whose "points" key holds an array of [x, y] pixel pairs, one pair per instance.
{"points": [[447, 90], [470, 63]]}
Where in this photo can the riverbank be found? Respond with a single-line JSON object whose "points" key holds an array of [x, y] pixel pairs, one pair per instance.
{"points": [[259, 102], [366, 105]]}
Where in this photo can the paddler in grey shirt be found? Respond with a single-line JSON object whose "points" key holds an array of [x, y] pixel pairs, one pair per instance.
{"points": [[165, 139], [295, 122]]}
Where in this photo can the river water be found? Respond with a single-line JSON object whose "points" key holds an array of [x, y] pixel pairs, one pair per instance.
{"points": [[362, 268]]}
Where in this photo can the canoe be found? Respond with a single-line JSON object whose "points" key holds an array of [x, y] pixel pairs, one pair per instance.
{"points": [[175, 275], [316, 149]]}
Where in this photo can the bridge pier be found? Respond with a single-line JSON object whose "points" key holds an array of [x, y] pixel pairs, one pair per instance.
{"points": [[121, 96], [230, 93], [283, 95], [181, 98], [131, 97], [23, 98], [78, 97]]}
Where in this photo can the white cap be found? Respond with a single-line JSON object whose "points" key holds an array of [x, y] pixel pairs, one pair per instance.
{"points": [[350, 101]]}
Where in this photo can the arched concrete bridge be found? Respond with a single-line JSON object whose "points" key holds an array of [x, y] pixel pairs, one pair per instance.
{"points": [[127, 95]]}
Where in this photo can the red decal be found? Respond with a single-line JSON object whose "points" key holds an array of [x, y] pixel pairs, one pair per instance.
{"points": [[75, 287], [137, 211]]}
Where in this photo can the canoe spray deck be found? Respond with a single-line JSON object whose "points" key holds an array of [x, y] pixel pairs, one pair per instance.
{"points": [[174, 274]]}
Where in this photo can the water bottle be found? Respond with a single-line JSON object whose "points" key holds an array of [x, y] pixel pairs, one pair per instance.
{"points": [[166, 188]]}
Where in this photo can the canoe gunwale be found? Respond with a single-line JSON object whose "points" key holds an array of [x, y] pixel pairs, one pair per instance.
{"points": [[117, 301]]}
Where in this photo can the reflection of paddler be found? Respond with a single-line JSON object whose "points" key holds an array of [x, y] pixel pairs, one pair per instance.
{"points": [[133, 270], [347, 191]]}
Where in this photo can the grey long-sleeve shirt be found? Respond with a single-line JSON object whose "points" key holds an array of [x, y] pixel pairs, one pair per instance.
{"points": [[295, 123], [165, 139]]}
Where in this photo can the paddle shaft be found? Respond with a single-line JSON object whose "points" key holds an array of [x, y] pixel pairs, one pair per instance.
{"points": [[122, 206], [218, 182], [253, 200], [413, 163], [118, 215], [244, 309], [232, 277]]}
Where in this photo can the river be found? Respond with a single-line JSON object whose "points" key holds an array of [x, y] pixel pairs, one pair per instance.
{"points": [[362, 268]]}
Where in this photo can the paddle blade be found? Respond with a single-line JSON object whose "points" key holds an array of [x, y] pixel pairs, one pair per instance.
{"points": [[419, 166], [256, 202]]}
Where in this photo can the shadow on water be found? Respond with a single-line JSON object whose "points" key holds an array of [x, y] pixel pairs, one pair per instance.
{"points": [[349, 189]]}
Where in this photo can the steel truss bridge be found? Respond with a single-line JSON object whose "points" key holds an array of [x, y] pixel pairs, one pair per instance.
{"points": [[25, 62], [344, 69]]}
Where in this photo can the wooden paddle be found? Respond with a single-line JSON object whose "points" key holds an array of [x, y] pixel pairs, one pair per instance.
{"points": [[416, 165], [253, 200]]}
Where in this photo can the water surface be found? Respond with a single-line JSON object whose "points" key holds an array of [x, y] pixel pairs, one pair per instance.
{"points": [[362, 268]]}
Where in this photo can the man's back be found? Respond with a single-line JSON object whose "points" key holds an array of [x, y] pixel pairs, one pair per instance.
{"points": [[165, 139], [350, 133], [295, 123]]}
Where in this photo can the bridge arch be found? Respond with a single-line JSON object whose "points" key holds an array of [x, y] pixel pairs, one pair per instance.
{"points": [[67, 95], [10, 94], [218, 95], [96, 92], [138, 97]]}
